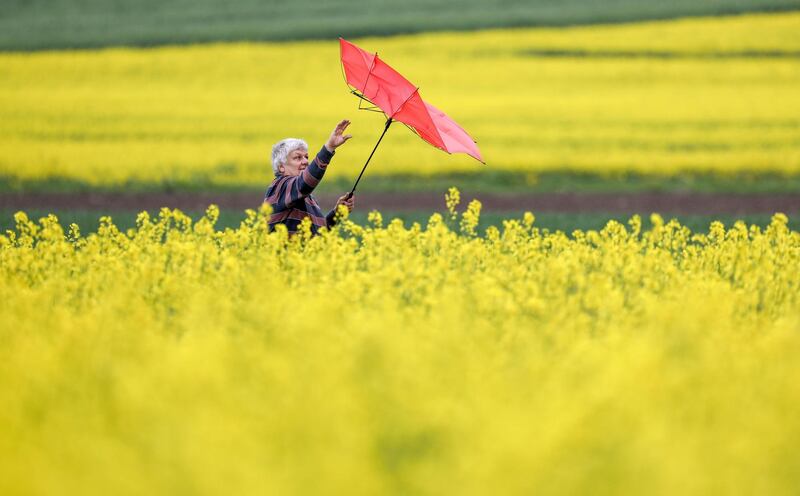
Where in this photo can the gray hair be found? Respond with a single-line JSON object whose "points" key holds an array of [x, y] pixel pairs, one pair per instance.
{"points": [[283, 148]]}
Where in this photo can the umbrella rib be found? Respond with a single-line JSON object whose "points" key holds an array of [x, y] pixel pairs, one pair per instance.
{"points": [[369, 73], [354, 91], [374, 107], [413, 130], [416, 91], [394, 112], [341, 64]]}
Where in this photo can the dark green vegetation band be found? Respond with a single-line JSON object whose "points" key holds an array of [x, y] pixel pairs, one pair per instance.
{"points": [[486, 181], [63, 24]]}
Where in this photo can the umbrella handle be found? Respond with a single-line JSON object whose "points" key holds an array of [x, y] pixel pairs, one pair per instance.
{"points": [[386, 128]]}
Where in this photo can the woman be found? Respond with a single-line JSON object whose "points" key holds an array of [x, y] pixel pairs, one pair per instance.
{"points": [[289, 195]]}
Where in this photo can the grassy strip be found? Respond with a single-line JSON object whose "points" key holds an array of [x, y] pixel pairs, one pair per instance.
{"points": [[88, 220], [488, 181], [95, 23], [557, 182]]}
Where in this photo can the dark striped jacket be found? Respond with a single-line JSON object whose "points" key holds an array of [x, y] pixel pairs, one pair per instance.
{"points": [[291, 200]]}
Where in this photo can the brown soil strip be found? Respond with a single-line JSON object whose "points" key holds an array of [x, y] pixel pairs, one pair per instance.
{"points": [[667, 203]]}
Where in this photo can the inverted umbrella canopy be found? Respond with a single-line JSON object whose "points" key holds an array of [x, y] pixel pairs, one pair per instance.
{"points": [[373, 80]]}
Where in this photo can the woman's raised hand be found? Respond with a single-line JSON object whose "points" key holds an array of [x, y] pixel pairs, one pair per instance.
{"points": [[347, 200], [337, 139]]}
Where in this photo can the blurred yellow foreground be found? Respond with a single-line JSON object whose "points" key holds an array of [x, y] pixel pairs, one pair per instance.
{"points": [[178, 359]]}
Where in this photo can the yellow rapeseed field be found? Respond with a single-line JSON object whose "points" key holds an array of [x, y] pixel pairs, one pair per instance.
{"points": [[178, 359], [717, 94]]}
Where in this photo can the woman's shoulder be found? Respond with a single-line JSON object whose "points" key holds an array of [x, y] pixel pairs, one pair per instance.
{"points": [[275, 187], [278, 181]]}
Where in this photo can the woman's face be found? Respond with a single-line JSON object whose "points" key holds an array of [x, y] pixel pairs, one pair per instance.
{"points": [[296, 161]]}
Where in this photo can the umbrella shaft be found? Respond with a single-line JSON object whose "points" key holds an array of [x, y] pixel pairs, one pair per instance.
{"points": [[388, 123]]}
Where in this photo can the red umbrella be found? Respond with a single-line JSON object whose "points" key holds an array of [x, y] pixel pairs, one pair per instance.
{"points": [[373, 80]]}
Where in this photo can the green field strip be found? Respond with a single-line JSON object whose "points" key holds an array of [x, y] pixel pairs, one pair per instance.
{"points": [[62, 24]]}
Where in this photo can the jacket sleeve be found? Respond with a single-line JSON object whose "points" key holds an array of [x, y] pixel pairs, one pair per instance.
{"points": [[290, 189], [330, 219]]}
